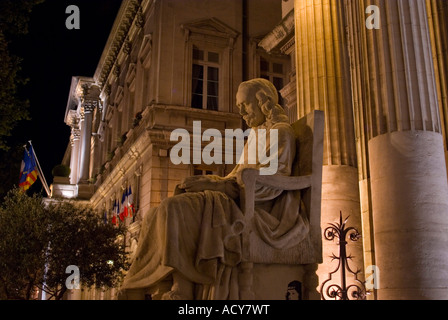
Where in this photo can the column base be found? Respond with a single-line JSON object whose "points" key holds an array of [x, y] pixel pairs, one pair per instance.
{"points": [[410, 215]]}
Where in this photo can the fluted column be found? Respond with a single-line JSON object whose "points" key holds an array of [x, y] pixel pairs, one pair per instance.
{"points": [[355, 20], [398, 122], [323, 83], [438, 30]]}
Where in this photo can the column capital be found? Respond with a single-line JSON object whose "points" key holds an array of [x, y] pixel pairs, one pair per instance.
{"points": [[88, 105], [90, 97], [73, 120], [75, 136]]}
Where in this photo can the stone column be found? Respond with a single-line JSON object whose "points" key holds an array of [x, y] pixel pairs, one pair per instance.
{"points": [[74, 158], [323, 83], [399, 114], [356, 27], [438, 30], [86, 138]]}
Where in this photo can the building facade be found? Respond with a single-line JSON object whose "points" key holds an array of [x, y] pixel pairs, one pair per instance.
{"points": [[376, 68]]}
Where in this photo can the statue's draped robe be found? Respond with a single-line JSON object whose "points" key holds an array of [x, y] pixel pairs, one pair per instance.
{"points": [[198, 234]]}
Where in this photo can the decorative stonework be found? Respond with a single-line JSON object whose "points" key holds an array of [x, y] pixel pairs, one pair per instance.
{"points": [[140, 20], [210, 27], [107, 90], [280, 35], [89, 106], [131, 14], [117, 70], [127, 46], [75, 136]]}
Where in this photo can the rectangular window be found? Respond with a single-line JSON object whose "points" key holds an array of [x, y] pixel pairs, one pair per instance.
{"points": [[205, 80], [277, 68], [264, 65], [213, 57], [201, 172], [198, 86], [198, 54], [274, 72], [212, 88]]}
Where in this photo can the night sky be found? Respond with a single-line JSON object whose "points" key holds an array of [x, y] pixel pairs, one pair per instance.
{"points": [[52, 54]]}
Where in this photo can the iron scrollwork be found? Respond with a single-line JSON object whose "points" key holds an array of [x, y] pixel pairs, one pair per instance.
{"points": [[342, 291]]}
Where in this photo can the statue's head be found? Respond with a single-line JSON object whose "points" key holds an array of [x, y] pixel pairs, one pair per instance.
{"points": [[257, 100]]}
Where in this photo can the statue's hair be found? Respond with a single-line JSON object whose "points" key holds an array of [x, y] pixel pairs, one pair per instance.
{"points": [[267, 97]]}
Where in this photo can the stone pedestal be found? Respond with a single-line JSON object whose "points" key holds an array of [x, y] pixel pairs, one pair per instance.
{"points": [[85, 191], [340, 194], [61, 188]]}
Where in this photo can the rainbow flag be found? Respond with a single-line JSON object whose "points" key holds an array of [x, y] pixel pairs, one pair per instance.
{"points": [[28, 170]]}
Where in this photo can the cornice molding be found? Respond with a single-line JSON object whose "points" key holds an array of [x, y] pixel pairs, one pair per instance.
{"points": [[280, 35], [129, 15]]}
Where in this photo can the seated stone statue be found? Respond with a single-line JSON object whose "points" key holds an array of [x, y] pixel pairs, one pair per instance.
{"points": [[195, 236]]}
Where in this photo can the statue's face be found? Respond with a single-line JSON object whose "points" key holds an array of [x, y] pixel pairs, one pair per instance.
{"points": [[248, 103]]}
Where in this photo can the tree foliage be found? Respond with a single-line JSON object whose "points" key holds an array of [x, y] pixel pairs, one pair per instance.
{"points": [[10, 163], [80, 237], [23, 239], [39, 241], [14, 19]]}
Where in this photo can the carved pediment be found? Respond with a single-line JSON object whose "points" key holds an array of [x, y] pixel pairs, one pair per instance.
{"points": [[212, 27]]}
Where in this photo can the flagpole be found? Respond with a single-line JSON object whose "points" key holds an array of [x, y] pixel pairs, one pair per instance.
{"points": [[41, 173]]}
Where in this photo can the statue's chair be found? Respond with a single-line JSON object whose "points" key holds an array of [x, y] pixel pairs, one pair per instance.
{"points": [[264, 270]]}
